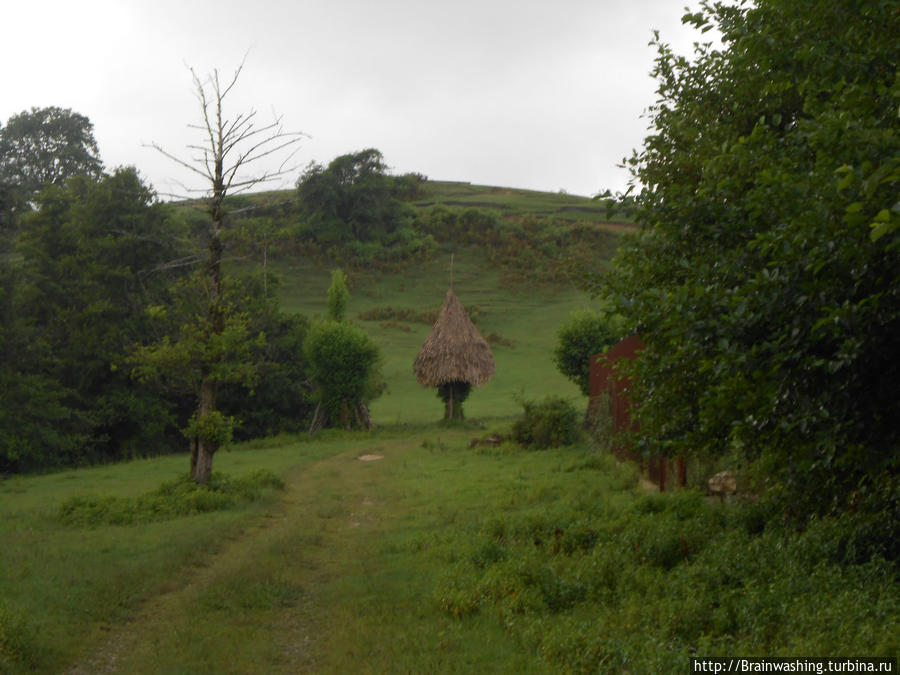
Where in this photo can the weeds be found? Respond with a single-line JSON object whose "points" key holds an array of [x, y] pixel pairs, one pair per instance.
{"points": [[548, 424], [613, 590], [173, 499], [15, 641]]}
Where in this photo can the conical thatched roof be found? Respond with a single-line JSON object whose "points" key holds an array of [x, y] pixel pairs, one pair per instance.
{"points": [[455, 350]]}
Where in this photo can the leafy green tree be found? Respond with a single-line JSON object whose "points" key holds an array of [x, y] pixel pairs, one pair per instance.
{"points": [[279, 399], [350, 199], [201, 347], [344, 365], [585, 334], [91, 259], [39, 147], [765, 279], [34, 423], [338, 296]]}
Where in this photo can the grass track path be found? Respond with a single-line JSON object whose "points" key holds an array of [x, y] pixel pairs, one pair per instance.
{"points": [[323, 581], [164, 619]]}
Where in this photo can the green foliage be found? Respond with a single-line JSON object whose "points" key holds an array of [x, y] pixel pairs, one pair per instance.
{"points": [[549, 424], [344, 365], [350, 198], [354, 211], [41, 147], [459, 390], [213, 427], [338, 296], [279, 400], [91, 255], [173, 499], [454, 394], [602, 588], [409, 186], [766, 281], [196, 347], [585, 334]]}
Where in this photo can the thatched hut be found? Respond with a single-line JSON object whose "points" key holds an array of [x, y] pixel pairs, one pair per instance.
{"points": [[454, 358]]}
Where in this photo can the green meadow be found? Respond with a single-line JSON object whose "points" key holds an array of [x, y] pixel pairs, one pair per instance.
{"points": [[520, 322], [66, 588], [405, 549]]}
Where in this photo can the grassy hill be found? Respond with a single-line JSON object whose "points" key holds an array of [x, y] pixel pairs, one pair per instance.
{"points": [[519, 318], [513, 202]]}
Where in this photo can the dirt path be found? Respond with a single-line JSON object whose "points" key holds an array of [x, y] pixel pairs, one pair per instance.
{"points": [[266, 548]]}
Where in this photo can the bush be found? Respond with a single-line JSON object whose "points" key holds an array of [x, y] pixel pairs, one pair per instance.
{"points": [[173, 499], [585, 333], [549, 424], [344, 364]]}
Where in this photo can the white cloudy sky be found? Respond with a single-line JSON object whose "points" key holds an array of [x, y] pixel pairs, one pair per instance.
{"points": [[520, 93]]}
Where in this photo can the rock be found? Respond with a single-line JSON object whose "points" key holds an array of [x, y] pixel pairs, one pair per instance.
{"points": [[723, 483]]}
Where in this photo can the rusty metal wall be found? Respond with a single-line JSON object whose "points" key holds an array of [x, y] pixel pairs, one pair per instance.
{"points": [[604, 380]]}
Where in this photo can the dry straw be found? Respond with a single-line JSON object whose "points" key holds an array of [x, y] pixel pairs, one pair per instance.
{"points": [[455, 350]]}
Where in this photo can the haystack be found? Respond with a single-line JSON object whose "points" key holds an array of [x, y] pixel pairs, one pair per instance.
{"points": [[454, 358]]}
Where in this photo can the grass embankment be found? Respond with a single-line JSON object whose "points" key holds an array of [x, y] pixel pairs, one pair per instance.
{"points": [[435, 558], [513, 202]]}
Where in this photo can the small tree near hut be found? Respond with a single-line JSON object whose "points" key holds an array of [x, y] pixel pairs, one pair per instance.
{"points": [[344, 365], [454, 358]]}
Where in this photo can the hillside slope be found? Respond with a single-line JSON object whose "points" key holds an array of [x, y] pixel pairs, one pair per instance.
{"points": [[518, 314]]}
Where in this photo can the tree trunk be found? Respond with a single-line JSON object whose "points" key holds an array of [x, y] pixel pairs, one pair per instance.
{"points": [[206, 447], [319, 419], [363, 417], [201, 469], [193, 456], [453, 409]]}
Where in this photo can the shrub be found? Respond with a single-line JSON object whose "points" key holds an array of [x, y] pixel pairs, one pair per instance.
{"points": [[173, 499], [345, 367], [549, 424], [585, 333]]}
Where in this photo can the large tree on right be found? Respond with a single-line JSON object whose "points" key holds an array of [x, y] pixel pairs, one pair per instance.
{"points": [[765, 279]]}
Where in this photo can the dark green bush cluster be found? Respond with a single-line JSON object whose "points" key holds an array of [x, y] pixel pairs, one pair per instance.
{"points": [[345, 365], [548, 424], [764, 278], [526, 248], [180, 497], [606, 588], [585, 334]]}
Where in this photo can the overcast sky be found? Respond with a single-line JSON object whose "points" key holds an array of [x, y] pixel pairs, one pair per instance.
{"points": [[516, 93]]}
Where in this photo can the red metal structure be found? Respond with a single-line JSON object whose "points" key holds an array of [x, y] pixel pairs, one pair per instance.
{"points": [[605, 380]]}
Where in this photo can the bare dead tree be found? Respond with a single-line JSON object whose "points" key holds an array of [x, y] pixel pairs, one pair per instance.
{"points": [[232, 157]]}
